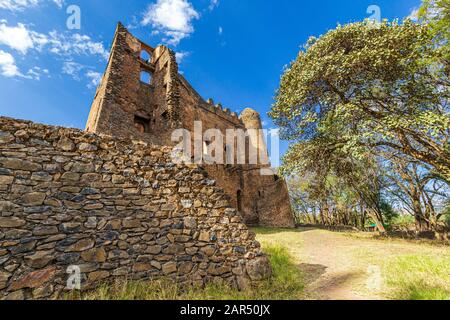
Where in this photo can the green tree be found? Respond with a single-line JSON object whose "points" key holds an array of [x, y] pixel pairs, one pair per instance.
{"points": [[376, 84], [436, 14]]}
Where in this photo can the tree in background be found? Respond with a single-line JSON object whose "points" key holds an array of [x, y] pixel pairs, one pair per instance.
{"points": [[420, 194]]}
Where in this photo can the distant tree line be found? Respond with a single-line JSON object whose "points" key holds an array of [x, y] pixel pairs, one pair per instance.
{"points": [[366, 108]]}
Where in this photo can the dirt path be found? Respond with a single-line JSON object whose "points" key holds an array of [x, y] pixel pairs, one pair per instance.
{"points": [[331, 269], [342, 267]]}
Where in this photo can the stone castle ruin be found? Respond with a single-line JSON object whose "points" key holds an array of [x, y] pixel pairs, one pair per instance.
{"points": [[85, 207], [125, 106]]}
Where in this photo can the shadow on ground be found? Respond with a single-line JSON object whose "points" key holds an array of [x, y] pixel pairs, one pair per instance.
{"points": [[311, 272], [335, 287]]}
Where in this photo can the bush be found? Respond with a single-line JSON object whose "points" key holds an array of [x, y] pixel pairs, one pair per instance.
{"points": [[403, 222]]}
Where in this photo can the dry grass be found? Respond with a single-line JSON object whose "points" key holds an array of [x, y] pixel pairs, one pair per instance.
{"points": [[418, 277], [410, 269], [286, 283]]}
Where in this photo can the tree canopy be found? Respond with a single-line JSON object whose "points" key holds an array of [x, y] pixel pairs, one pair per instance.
{"points": [[364, 96]]}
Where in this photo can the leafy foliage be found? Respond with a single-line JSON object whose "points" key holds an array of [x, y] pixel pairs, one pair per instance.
{"points": [[371, 84]]}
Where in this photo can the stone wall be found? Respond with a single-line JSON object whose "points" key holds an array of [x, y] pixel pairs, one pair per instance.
{"points": [[114, 208]]}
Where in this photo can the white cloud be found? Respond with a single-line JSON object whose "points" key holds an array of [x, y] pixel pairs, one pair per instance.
{"points": [[20, 5], [17, 38], [8, 66], [173, 18], [220, 30], [35, 73], [181, 55], [59, 3], [72, 69], [77, 44], [213, 4], [16, 5], [22, 39], [95, 78], [9, 69], [79, 72], [414, 15]]}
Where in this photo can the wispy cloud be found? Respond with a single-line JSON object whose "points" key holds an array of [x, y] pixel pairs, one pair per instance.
{"points": [[73, 69], [414, 15], [79, 72], [22, 39], [213, 4], [9, 69], [75, 44], [35, 73], [173, 18], [20, 5], [17, 5], [8, 66], [94, 77], [59, 3], [220, 30], [181, 56]]}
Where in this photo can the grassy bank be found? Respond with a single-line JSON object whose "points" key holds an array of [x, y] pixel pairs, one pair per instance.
{"points": [[286, 283]]}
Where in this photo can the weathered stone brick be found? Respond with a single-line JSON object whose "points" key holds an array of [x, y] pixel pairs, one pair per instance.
{"points": [[34, 279], [6, 180], [11, 222], [169, 267], [33, 199], [40, 259], [19, 164], [94, 255]]}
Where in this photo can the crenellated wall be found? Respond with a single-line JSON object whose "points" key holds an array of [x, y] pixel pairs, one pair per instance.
{"points": [[113, 208]]}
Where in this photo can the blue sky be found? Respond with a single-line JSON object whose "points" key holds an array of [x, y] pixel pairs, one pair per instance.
{"points": [[233, 51]]}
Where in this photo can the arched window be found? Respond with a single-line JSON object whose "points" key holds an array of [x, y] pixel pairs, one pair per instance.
{"points": [[141, 124], [146, 56], [146, 77]]}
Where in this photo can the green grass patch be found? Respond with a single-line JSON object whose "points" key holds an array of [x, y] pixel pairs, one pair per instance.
{"points": [[285, 283], [418, 277]]}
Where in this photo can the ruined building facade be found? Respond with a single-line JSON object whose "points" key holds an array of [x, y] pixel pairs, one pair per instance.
{"points": [[127, 107]]}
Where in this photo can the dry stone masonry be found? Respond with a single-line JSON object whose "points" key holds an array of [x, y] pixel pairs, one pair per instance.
{"points": [[113, 208]]}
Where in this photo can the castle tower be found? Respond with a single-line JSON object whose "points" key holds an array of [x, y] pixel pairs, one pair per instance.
{"points": [[138, 96], [257, 140]]}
